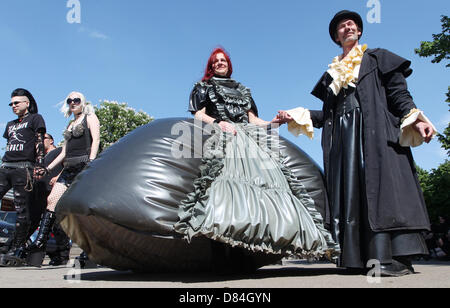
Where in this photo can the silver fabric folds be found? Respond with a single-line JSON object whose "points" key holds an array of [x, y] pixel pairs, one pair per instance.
{"points": [[247, 197]]}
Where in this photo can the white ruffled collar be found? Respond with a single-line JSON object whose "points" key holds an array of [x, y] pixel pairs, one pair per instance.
{"points": [[345, 72]]}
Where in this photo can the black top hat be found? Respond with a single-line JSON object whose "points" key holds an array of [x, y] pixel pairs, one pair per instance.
{"points": [[341, 16]]}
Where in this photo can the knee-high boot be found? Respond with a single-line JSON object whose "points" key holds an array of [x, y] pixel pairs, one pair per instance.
{"points": [[16, 255], [37, 248]]}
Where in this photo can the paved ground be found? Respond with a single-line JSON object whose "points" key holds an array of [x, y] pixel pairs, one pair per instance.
{"points": [[290, 274]]}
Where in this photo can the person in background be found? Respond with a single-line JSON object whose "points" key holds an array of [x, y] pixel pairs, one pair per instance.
{"points": [[59, 252], [444, 244]]}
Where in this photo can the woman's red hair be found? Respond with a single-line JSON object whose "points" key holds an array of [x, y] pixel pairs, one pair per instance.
{"points": [[209, 72]]}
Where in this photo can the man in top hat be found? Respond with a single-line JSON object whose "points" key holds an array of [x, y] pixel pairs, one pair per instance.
{"points": [[23, 157], [369, 121]]}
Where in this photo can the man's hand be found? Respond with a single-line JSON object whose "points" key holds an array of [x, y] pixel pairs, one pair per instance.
{"points": [[40, 172], [425, 130], [284, 117], [276, 120]]}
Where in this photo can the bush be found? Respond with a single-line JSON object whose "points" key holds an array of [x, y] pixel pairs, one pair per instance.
{"points": [[117, 120]]}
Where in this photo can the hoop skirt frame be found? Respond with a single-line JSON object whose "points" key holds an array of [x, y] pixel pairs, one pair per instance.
{"points": [[122, 208]]}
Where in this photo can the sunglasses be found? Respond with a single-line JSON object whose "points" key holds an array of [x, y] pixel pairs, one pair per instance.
{"points": [[75, 101], [16, 103]]}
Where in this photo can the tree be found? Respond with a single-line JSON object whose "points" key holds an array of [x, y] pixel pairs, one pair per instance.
{"points": [[436, 183], [117, 120], [440, 49], [444, 138], [440, 46]]}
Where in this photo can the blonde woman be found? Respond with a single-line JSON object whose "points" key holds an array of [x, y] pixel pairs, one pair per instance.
{"points": [[81, 144]]}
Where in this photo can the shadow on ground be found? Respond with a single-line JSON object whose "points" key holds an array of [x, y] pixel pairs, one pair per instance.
{"points": [[263, 273], [202, 277]]}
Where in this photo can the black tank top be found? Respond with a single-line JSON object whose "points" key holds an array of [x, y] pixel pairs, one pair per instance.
{"points": [[78, 140]]}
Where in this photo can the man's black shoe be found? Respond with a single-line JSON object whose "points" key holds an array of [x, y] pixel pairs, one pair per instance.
{"points": [[395, 269]]}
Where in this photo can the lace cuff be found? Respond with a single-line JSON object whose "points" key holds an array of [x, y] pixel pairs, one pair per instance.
{"points": [[409, 137], [302, 123]]}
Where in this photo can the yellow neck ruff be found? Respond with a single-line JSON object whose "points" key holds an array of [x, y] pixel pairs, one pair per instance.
{"points": [[345, 72]]}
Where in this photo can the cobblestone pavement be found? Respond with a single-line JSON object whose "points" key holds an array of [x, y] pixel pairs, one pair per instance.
{"points": [[289, 274]]}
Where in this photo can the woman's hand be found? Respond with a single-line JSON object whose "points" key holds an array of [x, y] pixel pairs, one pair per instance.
{"points": [[283, 117], [227, 127], [276, 120], [53, 181]]}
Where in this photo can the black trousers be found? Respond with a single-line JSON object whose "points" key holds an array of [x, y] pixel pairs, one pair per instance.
{"points": [[17, 178]]}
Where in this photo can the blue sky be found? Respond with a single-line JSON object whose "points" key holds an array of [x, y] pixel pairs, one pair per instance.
{"points": [[149, 53]]}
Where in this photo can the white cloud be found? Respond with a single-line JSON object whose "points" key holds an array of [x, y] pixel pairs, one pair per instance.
{"points": [[93, 33], [96, 34]]}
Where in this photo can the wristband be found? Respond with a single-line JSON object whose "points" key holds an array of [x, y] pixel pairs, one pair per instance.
{"points": [[217, 121]]}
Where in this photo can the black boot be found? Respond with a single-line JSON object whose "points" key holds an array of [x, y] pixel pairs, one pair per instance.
{"points": [[16, 256], [37, 248], [60, 251]]}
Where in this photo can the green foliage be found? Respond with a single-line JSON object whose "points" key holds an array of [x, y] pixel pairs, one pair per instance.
{"points": [[440, 49], [444, 138], [435, 185], [117, 120], [440, 46]]}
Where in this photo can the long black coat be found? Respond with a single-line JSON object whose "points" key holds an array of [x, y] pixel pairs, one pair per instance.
{"points": [[394, 197]]}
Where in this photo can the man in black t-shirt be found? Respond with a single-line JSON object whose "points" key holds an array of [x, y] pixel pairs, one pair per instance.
{"points": [[24, 154]]}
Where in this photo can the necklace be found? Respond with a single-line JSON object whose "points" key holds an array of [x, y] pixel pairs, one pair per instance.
{"points": [[23, 117]]}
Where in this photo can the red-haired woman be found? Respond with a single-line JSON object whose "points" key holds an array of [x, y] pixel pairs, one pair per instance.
{"points": [[217, 74], [246, 197]]}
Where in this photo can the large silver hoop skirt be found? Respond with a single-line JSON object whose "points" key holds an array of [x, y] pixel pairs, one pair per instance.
{"points": [[157, 199]]}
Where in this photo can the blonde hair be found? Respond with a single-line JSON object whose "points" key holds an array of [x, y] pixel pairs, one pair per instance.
{"points": [[87, 106]]}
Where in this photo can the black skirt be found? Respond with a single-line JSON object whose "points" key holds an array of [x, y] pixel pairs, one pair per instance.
{"points": [[349, 212], [70, 172]]}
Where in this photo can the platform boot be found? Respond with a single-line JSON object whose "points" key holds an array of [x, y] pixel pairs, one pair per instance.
{"points": [[36, 251], [16, 256]]}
